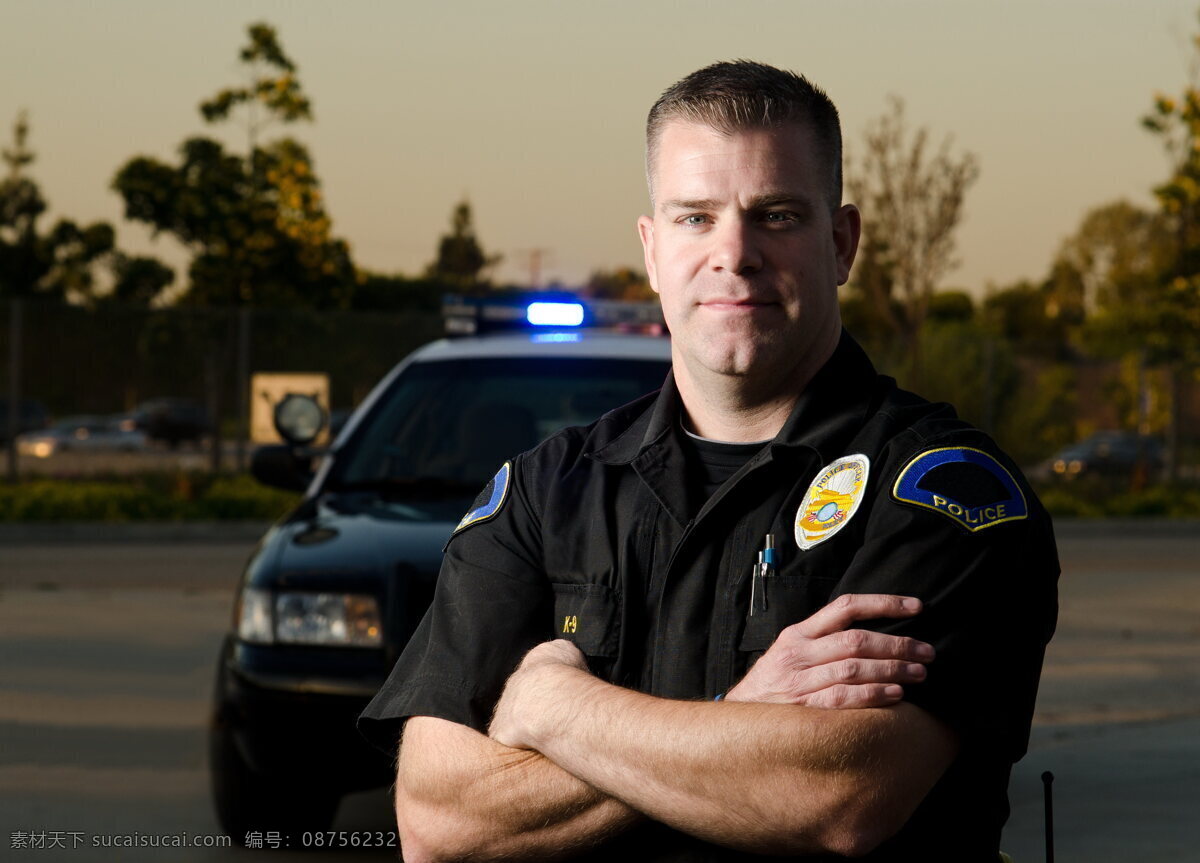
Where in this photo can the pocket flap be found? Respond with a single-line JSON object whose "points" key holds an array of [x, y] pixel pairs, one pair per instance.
{"points": [[790, 599], [587, 615]]}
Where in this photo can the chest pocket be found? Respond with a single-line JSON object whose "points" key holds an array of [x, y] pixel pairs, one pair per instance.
{"points": [[790, 599], [587, 614]]}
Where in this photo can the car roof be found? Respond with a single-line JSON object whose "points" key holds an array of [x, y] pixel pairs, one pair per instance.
{"points": [[581, 343]]}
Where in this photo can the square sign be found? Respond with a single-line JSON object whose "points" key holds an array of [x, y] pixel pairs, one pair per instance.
{"points": [[268, 389]]}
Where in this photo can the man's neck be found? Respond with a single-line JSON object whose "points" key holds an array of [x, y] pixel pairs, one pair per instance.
{"points": [[744, 408]]}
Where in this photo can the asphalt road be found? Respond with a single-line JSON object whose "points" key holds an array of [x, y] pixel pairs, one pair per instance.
{"points": [[107, 651]]}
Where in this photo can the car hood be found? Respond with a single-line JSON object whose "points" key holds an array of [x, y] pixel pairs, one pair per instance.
{"points": [[351, 541]]}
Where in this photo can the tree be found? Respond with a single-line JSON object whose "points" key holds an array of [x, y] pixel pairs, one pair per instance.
{"points": [[57, 265], [1113, 259], [255, 223], [1151, 308], [1164, 312], [461, 260], [138, 281], [912, 202], [623, 283], [273, 86]]}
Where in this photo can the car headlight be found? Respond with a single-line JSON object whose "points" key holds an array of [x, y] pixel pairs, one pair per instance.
{"points": [[328, 619], [254, 616], [36, 447]]}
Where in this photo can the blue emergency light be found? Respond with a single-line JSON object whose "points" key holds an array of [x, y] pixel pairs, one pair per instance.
{"points": [[545, 311], [552, 314]]}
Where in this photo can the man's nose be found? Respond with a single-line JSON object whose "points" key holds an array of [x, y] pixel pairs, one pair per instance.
{"points": [[735, 249]]}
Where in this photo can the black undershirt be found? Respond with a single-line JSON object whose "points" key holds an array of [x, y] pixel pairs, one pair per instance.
{"points": [[710, 463]]}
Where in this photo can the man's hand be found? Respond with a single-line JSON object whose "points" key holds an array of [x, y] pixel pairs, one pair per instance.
{"points": [[820, 662], [506, 726]]}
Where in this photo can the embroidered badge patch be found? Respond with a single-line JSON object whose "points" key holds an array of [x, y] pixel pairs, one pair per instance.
{"points": [[490, 499], [832, 499], [964, 484]]}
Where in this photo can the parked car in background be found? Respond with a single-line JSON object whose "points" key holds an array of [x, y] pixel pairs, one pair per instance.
{"points": [[1108, 454], [83, 434], [172, 420], [334, 590]]}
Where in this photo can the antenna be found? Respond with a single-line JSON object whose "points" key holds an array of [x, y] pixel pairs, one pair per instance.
{"points": [[1047, 781], [535, 257]]}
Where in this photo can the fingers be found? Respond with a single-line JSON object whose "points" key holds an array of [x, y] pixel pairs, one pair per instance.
{"points": [[849, 607], [843, 696], [861, 671], [863, 644], [850, 681]]}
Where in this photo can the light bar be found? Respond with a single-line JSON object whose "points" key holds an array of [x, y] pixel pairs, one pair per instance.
{"points": [[554, 314]]}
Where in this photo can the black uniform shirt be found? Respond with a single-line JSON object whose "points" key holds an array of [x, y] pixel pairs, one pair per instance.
{"points": [[598, 536]]}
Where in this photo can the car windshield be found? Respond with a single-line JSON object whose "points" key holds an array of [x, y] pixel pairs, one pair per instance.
{"points": [[444, 428]]}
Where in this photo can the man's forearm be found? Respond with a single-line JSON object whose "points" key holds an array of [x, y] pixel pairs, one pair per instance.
{"points": [[763, 777], [460, 794]]}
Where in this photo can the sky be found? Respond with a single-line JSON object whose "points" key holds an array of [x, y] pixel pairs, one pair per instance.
{"points": [[534, 110]]}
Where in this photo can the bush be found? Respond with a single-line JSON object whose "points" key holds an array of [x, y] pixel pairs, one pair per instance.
{"points": [[1090, 501], [243, 497], [147, 497]]}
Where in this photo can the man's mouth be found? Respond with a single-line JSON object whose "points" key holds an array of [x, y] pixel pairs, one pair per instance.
{"points": [[736, 304]]}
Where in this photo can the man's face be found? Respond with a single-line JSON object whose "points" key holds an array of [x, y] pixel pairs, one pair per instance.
{"points": [[744, 251]]}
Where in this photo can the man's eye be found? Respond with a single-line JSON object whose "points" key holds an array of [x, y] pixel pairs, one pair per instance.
{"points": [[778, 216], [694, 219]]}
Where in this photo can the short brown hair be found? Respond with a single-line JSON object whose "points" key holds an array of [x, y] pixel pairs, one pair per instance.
{"points": [[742, 94]]}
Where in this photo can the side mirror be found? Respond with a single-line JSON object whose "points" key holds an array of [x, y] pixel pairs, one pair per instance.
{"points": [[279, 466], [299, 419]]}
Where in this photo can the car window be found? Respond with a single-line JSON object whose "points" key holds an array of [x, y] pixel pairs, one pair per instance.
{"points": [[458, 421]]}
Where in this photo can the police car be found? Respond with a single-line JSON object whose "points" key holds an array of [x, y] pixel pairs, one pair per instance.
{"points": [[334, 590]]}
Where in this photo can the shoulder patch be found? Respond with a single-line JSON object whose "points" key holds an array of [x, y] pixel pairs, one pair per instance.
{"points": [[490, 500], [832, 499], [964, 484]]}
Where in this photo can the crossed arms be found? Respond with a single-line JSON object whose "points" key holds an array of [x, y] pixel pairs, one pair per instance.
{"points": [[570, 761]]}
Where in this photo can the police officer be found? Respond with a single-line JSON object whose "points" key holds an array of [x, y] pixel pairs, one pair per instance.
{"points": [[780, 606]]}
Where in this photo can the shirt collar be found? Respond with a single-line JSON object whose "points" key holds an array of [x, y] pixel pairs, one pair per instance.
{"points": [[828, 413], [834, 405]]}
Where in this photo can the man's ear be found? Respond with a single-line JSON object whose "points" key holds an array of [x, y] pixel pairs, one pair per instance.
{"points": [[847, 230], [645, 227]]}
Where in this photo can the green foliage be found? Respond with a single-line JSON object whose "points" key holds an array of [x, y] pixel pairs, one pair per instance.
{"points": [[256, 223], [279, 93], [967, 366], [1161, 312], [152, 497], [137, 280], [951, 306], [1091, 501], [48, 500], [1035, 319], [1062, 502], [1040, 419]]}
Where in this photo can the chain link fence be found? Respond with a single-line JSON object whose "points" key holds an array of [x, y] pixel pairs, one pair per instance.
{"points": [[59, 360]]}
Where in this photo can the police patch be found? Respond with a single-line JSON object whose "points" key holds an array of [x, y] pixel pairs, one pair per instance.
{"points": [[832, 499], [964, 484], [490, 499]]}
